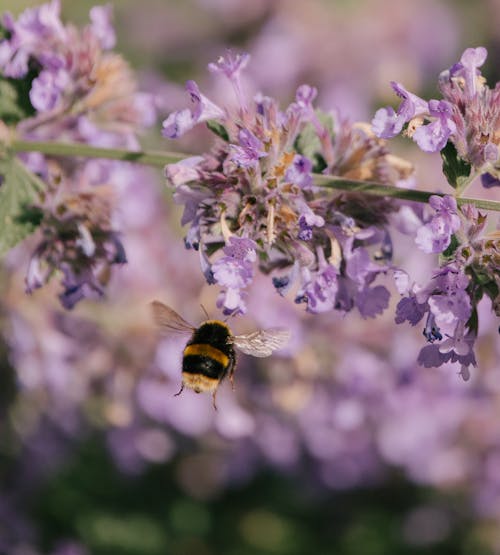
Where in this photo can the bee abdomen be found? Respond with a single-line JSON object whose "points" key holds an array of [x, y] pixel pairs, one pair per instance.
{"points": [[204, 350], [204, 360]]}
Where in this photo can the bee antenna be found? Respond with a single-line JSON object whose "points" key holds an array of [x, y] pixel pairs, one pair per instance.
{"points": [[205, 311]]}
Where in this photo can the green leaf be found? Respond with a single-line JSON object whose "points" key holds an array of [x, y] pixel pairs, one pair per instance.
{"points": [[456, 170], [308, 143], [218, 129], [19, 188], [15, 103], [450, 250]]}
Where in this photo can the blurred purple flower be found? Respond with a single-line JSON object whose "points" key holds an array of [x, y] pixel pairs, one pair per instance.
{"points": [[101, 18], [34, 26], [488, 181]]}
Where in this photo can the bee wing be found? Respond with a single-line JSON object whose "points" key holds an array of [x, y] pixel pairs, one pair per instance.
{"points": [[262, 343], [168, 320]]}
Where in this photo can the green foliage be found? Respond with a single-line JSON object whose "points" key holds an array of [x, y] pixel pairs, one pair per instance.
{"points": [[308, 143], [15, 103], [19, 188], [218, 129], [149, 514], [456, 170], [450, 250]]}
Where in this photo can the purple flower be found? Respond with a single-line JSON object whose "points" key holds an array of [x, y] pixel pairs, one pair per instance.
{"points": [[435, 236], [181, 121], [371, 301], [387, 123], [305, 96], [457, 348], [431, 357], [488, 180], [101, 17], [233, 272], [35, 26], [409, 309], [300, 172], [47, 89], [178, 123], [184, 171], [450, 301], [471, 59], [78, 286], [249, 151], [230, 65], [434, 136], [320, 291]]}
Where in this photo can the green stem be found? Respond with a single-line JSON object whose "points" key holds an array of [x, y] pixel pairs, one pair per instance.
{"points": [[372, 188], [160, 158], [150, 158]]}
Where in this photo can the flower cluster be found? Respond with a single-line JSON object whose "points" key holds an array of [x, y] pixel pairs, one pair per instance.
{"points": [[468, 119], [77, 239], [77, 89], [253, 198], [468, 116], [470, 270]]}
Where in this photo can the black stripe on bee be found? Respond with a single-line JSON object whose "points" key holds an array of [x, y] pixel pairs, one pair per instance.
{"points": [[208, 353]]}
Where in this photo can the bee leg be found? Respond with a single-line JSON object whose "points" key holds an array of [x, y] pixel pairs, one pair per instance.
{"points": [[213, 399], [180, 391], [231, 370]]}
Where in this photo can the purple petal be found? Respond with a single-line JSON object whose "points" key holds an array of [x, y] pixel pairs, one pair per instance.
{"points": [[230, 64], [299, 172], [410, 310], [101, 18], [178, 123], [488, 181], [386, 123], [411, 105], [434, 136], [204, 109], [372, 301]]}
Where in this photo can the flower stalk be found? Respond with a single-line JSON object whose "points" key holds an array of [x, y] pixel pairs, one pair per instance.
{"points": [[161, 158]]}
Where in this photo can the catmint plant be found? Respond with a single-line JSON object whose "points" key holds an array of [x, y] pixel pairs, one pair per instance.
{"points": [[80, 90], [252, 199]]}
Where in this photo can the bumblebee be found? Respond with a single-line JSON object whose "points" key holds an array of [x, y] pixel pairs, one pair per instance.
{"points": [[209, 356]]}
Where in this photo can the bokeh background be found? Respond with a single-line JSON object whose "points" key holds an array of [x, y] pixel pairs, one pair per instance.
{"points": [[341, 444]]}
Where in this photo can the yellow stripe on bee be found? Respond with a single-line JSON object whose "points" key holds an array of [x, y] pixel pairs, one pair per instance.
{"points": [[206, 350], [200, 383]]}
